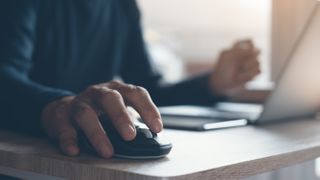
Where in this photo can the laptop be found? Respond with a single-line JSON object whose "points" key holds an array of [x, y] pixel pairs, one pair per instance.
{"points": [[296, 93]]}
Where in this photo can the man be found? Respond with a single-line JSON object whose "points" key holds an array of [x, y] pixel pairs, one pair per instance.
{"points": [[58, 59]]}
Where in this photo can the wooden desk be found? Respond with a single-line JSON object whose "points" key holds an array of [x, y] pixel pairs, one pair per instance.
{"points": [[221, 154]]}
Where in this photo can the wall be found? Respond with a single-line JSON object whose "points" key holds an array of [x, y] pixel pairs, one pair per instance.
{"points": [[198, 30]]}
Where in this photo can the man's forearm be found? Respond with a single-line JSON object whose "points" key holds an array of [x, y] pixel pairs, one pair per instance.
{"points": [[22, 101], [194, 91]]}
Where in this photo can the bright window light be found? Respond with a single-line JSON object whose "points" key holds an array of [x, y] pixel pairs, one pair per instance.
{"points": [[196, 31]]}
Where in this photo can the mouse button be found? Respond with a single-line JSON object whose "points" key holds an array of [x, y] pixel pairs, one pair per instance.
{"points": [[161, 139], [143, 139], [143, 142], [144, 132]]}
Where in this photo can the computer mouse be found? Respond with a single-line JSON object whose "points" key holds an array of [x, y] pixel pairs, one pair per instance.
{"points": [[146, 144]]}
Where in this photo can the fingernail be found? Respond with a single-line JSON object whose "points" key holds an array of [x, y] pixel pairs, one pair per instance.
{"points": [[128, 132], [105, 150], [157, 125]]}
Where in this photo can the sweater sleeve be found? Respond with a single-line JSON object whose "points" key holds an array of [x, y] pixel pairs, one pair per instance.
{"points": [[21, 99], [139, 70]]}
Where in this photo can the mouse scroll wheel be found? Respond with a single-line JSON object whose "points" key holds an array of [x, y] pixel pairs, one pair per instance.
{"points": [[146, 132]]}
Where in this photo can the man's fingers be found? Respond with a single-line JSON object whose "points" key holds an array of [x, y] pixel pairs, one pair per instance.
{"points": [[242, 55], [247, 76], [111, 102], [68, 141], [140, 100], [250, 64], [244, 44], [87, 120]]}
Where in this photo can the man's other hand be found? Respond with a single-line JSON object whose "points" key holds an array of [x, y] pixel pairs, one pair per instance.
{"points": [[235, 67], [62, 118]]}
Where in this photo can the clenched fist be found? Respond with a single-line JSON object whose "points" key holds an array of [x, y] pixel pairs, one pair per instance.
{"points": [[235, 67]]}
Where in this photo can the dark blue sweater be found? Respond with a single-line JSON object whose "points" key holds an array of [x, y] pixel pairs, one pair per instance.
{"points": [[55, 48]]}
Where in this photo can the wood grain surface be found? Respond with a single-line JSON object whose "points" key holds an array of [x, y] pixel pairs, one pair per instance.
{"points": [[221, 154]]}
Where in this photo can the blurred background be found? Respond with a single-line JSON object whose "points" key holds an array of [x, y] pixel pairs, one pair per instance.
{"points": [[186, 36]]}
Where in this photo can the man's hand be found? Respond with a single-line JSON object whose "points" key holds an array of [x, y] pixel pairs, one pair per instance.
{"points": [[235, 68], [62, 119]]}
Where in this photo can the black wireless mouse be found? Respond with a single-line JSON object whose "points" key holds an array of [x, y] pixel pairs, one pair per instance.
{"points": [[146, 144]]}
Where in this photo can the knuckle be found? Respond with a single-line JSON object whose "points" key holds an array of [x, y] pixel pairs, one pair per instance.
{"points": [[128, 89], [131, 87], [115, 83], [141, 90], [92, 89], [107, 94]]}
